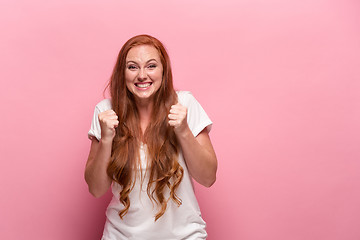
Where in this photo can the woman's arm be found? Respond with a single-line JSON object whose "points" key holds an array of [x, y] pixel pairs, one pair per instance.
{"points": [[100, 152], [95, 171], [198, 151], [200, 156]]}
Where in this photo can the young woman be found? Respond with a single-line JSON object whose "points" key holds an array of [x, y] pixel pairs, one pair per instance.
{"points": [[148, 143]]}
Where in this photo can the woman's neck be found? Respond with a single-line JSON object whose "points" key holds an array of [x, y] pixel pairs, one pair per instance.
{"points": [[144, 110]]}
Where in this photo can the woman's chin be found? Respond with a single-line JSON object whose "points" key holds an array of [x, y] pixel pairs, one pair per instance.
{"points": [[143, 96]]}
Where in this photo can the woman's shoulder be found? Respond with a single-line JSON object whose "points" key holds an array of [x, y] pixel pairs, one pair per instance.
{"points": [[183, 93], [185, 97], [104, 105]]}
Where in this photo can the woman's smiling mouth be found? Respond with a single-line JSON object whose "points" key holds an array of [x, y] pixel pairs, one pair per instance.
{"points": [[143, 85]]}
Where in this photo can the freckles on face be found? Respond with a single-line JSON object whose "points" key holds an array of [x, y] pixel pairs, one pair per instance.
{"points": [[143, 72]]}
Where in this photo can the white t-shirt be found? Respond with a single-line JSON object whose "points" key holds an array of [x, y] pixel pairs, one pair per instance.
{"points": [[178, 222]]}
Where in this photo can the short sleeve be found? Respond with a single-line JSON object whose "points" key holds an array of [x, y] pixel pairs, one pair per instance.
{"points": [[95, 130], [197, 118]]}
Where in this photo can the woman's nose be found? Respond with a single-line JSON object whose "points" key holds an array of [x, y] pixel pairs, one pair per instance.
{"points": [[142, 75]]}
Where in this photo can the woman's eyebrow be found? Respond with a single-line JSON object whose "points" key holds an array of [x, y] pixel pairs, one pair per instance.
{"points": [[127, 62], [131, 61], [153, 59]]}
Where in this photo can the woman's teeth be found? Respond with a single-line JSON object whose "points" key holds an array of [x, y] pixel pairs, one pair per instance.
{"points": [[143, 85]]}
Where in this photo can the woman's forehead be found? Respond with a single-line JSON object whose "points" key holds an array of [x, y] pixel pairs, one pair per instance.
{"points": [[143, 53]]}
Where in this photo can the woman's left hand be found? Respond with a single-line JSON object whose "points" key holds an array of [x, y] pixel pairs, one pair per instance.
{"points": [[178, 118], [198, 152]]}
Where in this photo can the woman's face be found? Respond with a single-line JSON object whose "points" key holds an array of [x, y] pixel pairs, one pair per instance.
{"points": [[143, 72]]}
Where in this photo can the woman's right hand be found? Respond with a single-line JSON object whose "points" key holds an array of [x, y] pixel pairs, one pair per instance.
{"points": [[100, 154], [108, 122]]}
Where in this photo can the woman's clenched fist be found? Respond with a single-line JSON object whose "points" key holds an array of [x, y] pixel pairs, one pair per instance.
{"points": [[178, 117], [108, 122]]}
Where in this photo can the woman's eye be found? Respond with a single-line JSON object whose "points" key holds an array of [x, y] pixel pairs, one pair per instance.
{"points": [[152, 66], [131, 67]]}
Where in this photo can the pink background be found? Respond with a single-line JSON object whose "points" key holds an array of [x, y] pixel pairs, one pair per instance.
{"points": [[280, 79]]}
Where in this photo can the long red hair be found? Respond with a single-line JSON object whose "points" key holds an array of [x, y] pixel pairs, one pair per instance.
{"points": [[165, 173]]}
